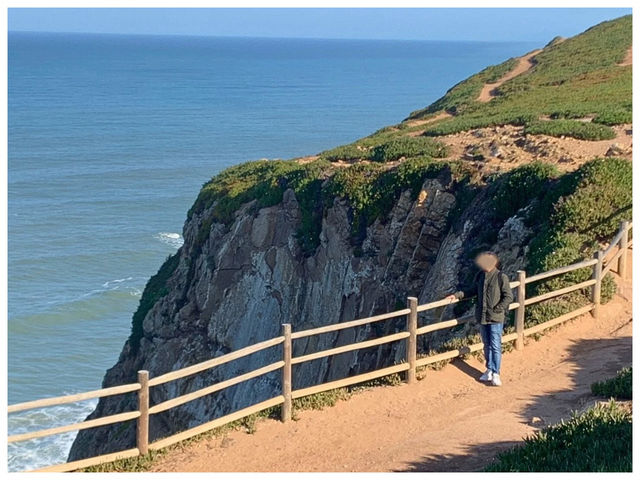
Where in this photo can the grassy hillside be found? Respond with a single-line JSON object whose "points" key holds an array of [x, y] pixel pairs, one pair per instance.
{"points": [[574, 78]]}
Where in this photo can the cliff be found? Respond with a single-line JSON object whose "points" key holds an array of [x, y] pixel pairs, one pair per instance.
{"points": [[354, 231]]}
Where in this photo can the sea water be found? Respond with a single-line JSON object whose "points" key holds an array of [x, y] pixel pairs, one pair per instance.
{"points": [[110, 139]]}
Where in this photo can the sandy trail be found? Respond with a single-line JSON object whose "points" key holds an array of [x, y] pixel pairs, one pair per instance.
{"points": [[628, 58], [524, 64], [434, 119], [446, 422]]}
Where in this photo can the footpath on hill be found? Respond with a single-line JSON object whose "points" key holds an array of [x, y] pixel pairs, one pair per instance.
{"points": [[524, 63], [446, 422]]}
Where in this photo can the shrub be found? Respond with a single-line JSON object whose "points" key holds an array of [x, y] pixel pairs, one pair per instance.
{"points": [[520, 186], [619, 387], [408, 147], [482, 120], [614, 117], [601, 200], [598, 440], [570, 128], [322, 400], [264, 181], [347, 153]]}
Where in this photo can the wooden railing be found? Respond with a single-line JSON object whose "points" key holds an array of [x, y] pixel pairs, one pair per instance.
{"points": [[603, 261]]}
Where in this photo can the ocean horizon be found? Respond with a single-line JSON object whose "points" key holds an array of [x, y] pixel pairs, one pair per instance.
{"points": [[110, 139]]}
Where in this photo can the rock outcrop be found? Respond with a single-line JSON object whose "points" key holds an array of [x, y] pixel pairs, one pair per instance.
{"points": [[238, 285]]}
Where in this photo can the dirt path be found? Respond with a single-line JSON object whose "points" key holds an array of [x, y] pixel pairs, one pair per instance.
{"points": [[446, 422], [435, 118], [628, 58], [524, 64]]}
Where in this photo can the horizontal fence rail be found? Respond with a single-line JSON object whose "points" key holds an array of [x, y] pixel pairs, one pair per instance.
{"points": [[214, 362], [613, 256]]}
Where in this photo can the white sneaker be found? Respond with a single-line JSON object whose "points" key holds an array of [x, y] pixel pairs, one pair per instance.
{"points": [[495, 381], [486, 376]]}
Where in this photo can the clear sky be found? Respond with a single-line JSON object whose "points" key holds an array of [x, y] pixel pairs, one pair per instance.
{"points": [[422, 24]]}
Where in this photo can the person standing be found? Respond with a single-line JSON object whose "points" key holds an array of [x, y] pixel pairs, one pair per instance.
{"points": [[494, 295]]}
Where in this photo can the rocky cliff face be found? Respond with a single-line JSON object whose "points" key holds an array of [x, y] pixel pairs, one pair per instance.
{"points": [[238, 285]]}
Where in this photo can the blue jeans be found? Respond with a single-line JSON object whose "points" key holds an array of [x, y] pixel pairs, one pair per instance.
{"points": [[492, 339]]}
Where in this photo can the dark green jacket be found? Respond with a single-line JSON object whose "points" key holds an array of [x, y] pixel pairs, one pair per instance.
{"points": [[494, 296]]}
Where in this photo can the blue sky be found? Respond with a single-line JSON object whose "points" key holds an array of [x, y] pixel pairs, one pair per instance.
{"points": [[420, 24]]}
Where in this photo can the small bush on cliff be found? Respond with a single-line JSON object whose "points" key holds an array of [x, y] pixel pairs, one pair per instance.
{"points": [[480, 120], [346, 153], [386, 146], [570, 128], [598, 440], [517, 188], [614, 117], [407, 147], [155, 289]]}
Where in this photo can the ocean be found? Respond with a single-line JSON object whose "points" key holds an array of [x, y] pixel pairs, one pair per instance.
{"points": [[110, 140]]}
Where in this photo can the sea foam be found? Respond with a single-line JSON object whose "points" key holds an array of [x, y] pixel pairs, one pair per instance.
{"points": [[174, 240], [41, 452]]}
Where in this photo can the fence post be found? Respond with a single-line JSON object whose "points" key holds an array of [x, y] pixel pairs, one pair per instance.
{"points": [[286, 372], [412, 339], [521, 296], [595, 290], [142, 432], [624, 242]]}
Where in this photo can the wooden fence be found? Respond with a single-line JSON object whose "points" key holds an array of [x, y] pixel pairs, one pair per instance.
{"points": [[603, 261]]}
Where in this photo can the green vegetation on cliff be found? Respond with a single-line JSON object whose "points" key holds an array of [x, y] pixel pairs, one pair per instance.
{"points": [[155, 289], [379, 147], [570, 128], [578, 211], [372, 191], [571, 215]]}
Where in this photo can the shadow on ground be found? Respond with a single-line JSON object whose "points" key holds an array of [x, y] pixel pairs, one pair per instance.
{"points": [[468, 369], [591, 360]]}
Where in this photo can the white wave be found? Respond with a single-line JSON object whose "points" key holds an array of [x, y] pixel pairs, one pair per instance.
{"points": [[44, 451], [174, 240], [115, 282]]}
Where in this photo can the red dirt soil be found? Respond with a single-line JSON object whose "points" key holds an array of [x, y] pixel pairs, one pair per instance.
{"points": [[448, 421]]}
